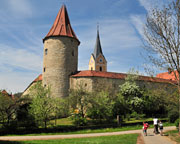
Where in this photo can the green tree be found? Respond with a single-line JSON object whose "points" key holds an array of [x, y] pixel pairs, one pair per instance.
{"points": [[155, 102], [121, 106], [43, 106], [132, 93], [8, 108], [100, 106], [162, 39], [79, 99]]}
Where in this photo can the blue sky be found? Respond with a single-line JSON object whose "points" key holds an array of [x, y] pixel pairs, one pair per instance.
{"points": [[24, 23]]}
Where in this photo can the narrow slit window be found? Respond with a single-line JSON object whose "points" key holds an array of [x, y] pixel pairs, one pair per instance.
{"points": [[46, 51], [44, 69], [73, 53]]}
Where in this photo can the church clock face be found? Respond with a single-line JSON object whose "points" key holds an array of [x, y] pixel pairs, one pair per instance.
{"points": [[100, 60]]}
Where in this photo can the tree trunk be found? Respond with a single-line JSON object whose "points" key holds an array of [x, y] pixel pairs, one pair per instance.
{"points": [[45, 124]]}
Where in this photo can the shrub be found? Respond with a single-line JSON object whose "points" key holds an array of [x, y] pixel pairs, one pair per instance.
{"points": [[177, 123], [137, 116], [78, 120], [173, 116]]}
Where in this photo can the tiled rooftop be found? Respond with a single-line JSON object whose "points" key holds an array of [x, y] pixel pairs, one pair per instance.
{"points": [[62, 26], [89, 73]]}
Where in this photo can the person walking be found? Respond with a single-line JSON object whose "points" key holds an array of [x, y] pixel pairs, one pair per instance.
{"points": [[145, 127], [155, 122], [161, 127]]}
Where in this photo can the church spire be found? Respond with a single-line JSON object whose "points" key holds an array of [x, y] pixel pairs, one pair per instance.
{"points": [[61, 26], [97, 48], [97, 61]]}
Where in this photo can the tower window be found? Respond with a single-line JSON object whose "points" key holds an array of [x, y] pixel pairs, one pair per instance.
{"points": [[44, 69], [100, 68], [46, 50], [73, 53]]}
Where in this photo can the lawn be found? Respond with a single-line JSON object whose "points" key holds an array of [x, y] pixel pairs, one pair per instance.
{"points": [[173, 135], [62, 121], [119, 139], [68, 130]]}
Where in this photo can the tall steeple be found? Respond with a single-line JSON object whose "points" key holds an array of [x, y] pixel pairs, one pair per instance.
{"points": [[97, 61], [97, 48], [61, 26]]}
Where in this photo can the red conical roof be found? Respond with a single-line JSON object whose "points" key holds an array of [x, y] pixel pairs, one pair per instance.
{"points": [[62, 26]]}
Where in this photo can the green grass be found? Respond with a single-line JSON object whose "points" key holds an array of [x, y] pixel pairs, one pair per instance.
{"points": [[86, 131], [173, 135], [119, 139], [62, 121]]}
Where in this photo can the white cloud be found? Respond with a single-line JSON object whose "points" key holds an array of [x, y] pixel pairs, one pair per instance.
{"points": [[138, 21], [20, 58], [20, 8], [149, 4], [16, 82], [117, 36]]}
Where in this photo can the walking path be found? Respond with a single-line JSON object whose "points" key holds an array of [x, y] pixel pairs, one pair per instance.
{"points": [[150, 139]]}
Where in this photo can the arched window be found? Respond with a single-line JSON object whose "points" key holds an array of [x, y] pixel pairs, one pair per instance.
{"points": [[100, 68], [44, 69]]}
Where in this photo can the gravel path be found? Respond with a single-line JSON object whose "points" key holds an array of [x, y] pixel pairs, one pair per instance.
{"points": [[150, 139]]}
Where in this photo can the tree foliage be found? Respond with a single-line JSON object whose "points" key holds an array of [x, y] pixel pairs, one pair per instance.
{"points": [[162, 37], [101, 106], [8, 108], [43, 106]]}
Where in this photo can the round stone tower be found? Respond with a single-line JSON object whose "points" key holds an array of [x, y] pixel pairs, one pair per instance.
{"points": [[60, 58]]}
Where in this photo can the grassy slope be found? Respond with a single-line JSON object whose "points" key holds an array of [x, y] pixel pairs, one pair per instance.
{"points": [[120, 139], [174, 135]]}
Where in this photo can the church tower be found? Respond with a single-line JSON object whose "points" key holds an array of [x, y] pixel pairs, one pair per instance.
{"points": [[97, 61], [60, 58]]}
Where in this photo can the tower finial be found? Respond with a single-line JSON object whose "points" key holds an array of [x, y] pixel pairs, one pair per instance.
{"points": [[98, 26]]}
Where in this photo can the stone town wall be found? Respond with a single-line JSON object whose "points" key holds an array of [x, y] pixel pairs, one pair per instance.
{"points": [[60, 60], [85, 82], [101, 83]]}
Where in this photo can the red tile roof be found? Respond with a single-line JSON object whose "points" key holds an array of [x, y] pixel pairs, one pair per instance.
{"points": [[39, 78], [167, 75], [4, 92], [62, 26], [89, 73], [113, 75]]}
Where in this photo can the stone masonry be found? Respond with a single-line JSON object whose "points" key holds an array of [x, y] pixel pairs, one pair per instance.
{"points": [[60, 60]]}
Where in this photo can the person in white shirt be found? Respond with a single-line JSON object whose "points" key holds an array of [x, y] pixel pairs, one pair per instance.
{"points": [[155, 122]]}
